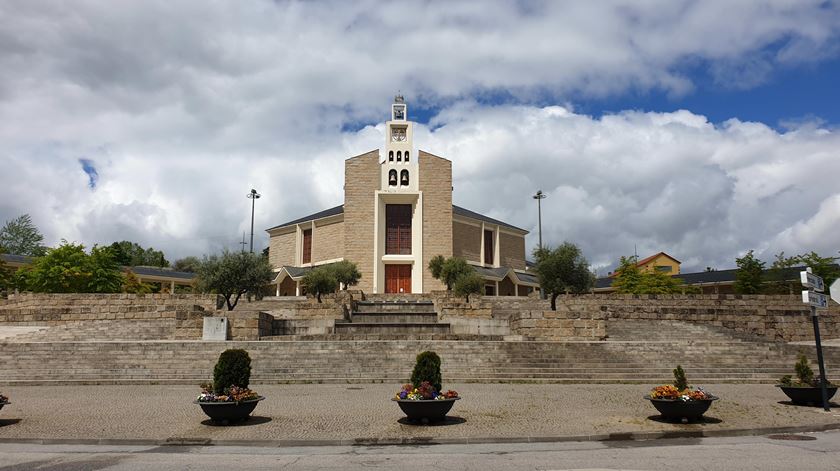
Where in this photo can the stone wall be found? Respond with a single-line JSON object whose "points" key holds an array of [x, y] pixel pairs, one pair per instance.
{"points": [[512, 251], [282, 249], [328, 242], [436, 184], [361, 180], [777, 317], [466, 241]]}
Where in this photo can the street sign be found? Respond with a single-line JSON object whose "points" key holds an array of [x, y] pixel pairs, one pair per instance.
{"points": [[817, 300], [835, 290], [810, 280]]}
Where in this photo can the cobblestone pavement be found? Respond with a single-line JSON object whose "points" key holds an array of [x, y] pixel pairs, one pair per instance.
{"points": [[348, 412]]}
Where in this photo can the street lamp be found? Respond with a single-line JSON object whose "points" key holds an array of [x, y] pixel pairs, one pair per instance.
{"points": [[539, 196], [253, 195]]}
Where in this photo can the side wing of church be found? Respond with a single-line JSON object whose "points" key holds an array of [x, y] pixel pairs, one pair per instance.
{"points": [[397, 215]]}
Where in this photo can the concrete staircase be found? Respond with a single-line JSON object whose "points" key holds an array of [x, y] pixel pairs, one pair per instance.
{"points": [[101, 330], [401, 318]]}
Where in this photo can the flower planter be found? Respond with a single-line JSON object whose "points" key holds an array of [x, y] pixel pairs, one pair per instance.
{"points": [[229, 412], [684, 411], [807, 396], [431, 410]]}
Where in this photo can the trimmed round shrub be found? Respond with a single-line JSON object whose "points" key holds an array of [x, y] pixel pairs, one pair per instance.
{"points": [[427, 368], [232, 369]]}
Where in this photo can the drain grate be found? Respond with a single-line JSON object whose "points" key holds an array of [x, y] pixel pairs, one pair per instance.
{"points": [[801, 438]]}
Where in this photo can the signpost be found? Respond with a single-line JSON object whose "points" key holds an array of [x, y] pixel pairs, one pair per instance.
{"points": [[835, 290], [814, 298]]}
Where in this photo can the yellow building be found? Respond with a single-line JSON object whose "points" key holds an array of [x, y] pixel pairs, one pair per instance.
{"points": [[660, 262]]}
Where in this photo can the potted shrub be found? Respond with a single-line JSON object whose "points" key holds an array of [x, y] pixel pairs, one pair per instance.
{"points": [[3, 401], [678, 401], [228, 398], [423, 400], [806, 390]]}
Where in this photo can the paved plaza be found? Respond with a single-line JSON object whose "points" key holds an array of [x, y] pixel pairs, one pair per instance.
{"points": [[363, 413]]}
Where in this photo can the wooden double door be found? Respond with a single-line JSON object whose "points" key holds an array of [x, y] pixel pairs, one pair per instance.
{"points": [[398, 278]]}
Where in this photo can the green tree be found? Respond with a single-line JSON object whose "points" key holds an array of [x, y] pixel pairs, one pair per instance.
{"points": [[133, 285], [320, 280], [427, 368], [781, 278], [562, 270], [131, 254], [6, 277], [345, 272], [187, 264], [68, 269], [19, 236], [467, 284], [448, 270], [630, 279], [749, 278], [824, 267], [233, 274]]}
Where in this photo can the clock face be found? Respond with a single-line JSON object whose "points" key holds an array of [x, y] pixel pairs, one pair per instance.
{"points": [[398, 135]]}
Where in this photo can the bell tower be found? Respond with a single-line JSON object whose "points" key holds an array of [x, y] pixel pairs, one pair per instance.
{"points": [[400, 160]]}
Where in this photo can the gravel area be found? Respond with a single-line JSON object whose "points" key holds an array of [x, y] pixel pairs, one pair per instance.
{"points": [[347, 412]]}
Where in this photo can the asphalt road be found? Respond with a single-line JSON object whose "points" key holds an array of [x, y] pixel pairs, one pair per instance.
{"points": [[813, 451]]}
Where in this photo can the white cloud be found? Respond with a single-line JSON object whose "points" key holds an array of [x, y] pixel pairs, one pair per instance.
{"points": [[183, 107]]}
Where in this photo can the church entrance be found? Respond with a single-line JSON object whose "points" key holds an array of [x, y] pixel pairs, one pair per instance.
{"points": [[397, 278]]}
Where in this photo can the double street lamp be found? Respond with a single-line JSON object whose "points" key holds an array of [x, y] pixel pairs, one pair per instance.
{"points": [[253, 195]]}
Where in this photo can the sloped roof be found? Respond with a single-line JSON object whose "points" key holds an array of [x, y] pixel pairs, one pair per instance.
{"points": [[319, 215], [648, 259], [163, 272], [11, 258], [472, 214]]}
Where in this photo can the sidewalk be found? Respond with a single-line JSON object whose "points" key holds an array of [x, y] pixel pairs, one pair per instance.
{"points": [[351, 413]]}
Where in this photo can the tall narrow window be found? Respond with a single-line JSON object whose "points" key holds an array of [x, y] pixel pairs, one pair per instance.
{"points": [[307, 246], [488, 248], [398, 229], [399, 156], [392, 178], [406, 156], [404, 178], [390, 156]]}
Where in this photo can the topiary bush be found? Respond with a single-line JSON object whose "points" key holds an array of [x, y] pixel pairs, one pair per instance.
{"points": [[232, 369], [680, 381], [427, 368], [803, 371]]}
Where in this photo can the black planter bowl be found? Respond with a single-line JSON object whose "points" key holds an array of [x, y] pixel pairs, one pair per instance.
{"points": [[3, 404], [684, 411], [809, 396], [229, 412], [429, 410]]}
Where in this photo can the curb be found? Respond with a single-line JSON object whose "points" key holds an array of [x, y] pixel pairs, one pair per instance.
{"points": [[607, 437]]}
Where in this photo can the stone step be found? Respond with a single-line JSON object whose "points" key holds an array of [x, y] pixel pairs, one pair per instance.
{"points": [[363, 307], [394, 318], [391, 328]]}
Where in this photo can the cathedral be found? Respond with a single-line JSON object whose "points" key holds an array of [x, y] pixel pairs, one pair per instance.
{"points": [[397, 215]]}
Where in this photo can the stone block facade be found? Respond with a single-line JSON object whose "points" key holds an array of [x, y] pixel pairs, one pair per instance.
{"points": [[282, 249], [436, 185], [361, 180], [512, 251], [328, 242], [466, 241]]}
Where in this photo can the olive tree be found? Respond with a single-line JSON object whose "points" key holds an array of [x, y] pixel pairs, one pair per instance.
{"points": [[233, 274], [562, 270]]}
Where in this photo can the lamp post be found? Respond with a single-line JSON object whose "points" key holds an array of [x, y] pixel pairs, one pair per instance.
{"points": [[253, 195], [539, 196]]}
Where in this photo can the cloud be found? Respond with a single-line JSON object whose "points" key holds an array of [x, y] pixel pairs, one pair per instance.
{"points": [[180, 108]]}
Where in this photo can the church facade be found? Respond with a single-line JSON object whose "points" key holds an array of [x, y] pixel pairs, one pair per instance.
{"points": [[397, 215]]}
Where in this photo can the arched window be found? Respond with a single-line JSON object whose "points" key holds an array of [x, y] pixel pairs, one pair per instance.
{"points": [[399, 156], [406, 156], [392, 178], [390, 156], [404, 178]]}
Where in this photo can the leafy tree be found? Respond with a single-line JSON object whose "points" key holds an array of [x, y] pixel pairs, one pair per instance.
{"points": [[630, 279], [562, 270], [345, 272], [233, 274], [749, 278], [19, 236], [6, 277], [824, 267], [448, 270], [133, 285], [780, 276], [68, 269], [131, 254], [187, 264], [467, 284], [320, 280]]}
